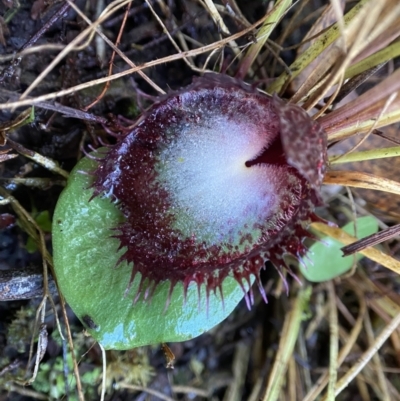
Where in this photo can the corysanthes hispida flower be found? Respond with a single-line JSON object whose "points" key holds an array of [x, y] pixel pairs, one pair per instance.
{"points": [[214, 180]]}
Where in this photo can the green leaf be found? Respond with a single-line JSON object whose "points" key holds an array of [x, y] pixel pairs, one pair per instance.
{"points": [[324, 259], [85, 259], [44, 222]]}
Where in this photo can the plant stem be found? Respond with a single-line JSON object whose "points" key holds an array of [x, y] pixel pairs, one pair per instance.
{"points": [[268, 26], [314, 50], [365, 155], [289, 337]]}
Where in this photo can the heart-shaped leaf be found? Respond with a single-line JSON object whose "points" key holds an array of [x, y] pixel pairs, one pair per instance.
{"points": [[325, 260], [96, 287]]}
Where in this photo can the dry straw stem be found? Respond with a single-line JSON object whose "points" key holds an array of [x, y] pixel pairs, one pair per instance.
{"points": [[239, 367], [289, 336], [373, 371], [358, 179], [31, 50], [346, 239], [75, 42], [377, 364], [11, 387], [81, 397], [365, 155], [366, 356], [303, 371], [46, 162], [314, 50], [368, 375], [59, 108], [104, 373], [28, 224], [216, 17], [292, 379], [134, 387], [4, 156], [354, 126], [362, 29], [114, 47], [111, 61], [386, 54], [351, 339], [333, 341], [387, 104], [164, 28], [374, 21], [388, 35], [273, 17], [371, 240], [216, 45], [330, 59], [368, 106], [385, 303]]}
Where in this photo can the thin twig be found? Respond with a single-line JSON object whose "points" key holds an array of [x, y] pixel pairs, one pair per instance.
{"points": [[97, 29], [111, 64], [333, 341], [9, 71], [143, 389], [54, 106], [371, 240], [367, 355], [130, 71]]}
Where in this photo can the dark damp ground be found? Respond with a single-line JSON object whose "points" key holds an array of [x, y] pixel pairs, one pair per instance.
{"points": [[227, 363]]}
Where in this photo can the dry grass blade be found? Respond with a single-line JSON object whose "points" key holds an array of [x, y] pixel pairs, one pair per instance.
{"points": [[354, 39], [212, 9], [269, 24], [38, 158], [365, 155], [386, 54], [333, 341], [357, 179], [149, 391], [369, 105], [314, 50], [205, 49], [349, 342], [346, 128], [88, 32], [366, 356], [377, 360], [353, 83], [286, 345], [240, 366], [331, 57]]}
